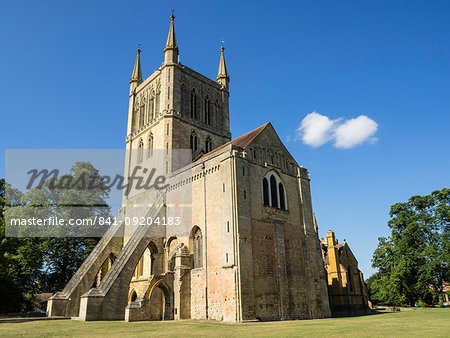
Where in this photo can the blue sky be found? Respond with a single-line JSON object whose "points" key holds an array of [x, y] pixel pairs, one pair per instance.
{"points": [[65, 68]]}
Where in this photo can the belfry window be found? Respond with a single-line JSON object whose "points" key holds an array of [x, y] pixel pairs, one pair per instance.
{"points": [[141, 116], [152, 107], [194, 105], [157, 101], [208, 145], [193, 142], [207, 111], [217, 114], [273, 192]]}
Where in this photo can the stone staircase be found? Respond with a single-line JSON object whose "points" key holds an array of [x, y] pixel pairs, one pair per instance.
{"points": [[66, 303], [109, 300]]}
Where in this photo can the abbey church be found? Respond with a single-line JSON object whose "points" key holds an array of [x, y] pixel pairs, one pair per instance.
{"points": [[250, 249]]}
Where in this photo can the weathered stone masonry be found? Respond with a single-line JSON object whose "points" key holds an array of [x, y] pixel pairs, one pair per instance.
{"points": [[250, 250]]}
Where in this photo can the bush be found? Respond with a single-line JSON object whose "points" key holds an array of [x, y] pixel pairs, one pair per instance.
{"points": [[421, 304]]}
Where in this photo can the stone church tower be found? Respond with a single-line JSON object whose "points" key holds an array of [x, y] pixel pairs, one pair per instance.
{"points": [[176, 107], [250, 250]]}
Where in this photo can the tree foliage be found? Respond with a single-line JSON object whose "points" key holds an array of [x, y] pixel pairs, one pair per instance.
{"points": [[31, 265], [414, 261]]}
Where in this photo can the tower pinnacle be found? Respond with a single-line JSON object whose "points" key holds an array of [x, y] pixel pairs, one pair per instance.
{"points": [[222, 77], [171, 48], [136, 76]]}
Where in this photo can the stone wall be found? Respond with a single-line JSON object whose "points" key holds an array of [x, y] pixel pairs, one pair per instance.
{"points": [[281, 269]]}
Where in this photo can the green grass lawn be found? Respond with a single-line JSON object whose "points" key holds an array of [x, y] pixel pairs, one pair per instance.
{"points": [[421, 322]]}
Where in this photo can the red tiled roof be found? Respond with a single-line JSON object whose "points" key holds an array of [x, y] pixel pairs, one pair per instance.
{"points": [[43, 297], [245, 140], [242, 141]]}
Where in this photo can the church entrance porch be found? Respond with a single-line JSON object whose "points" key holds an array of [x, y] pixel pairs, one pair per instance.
{"points": [[155, 304]]}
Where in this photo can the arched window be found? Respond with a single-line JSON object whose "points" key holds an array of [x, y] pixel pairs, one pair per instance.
{"points": [[157, 99], [150, 145], [133, 296], [140, 151], [183, 100], [281, 194], [217, 115], [136, 116], [273, 191], [266, 200], [208, 145], [207, 111], [152, 107], [193, 142], [141, 116], [197, 241], [194, 105]]}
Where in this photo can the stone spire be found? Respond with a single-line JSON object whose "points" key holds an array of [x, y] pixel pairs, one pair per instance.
{"points": [[222, 77], [136, 76], [171, 48], [137, 73]]}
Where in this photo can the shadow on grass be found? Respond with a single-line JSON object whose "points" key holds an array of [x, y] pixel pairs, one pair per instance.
{"points": [[26, 319], [365, 314]]}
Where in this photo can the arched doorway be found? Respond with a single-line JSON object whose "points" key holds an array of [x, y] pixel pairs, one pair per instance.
{"points": [[160, 300]]}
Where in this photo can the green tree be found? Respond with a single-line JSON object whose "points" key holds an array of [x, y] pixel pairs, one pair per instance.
{"points": [[417, 253], [63, 255], [30, 265], [20, 263]]}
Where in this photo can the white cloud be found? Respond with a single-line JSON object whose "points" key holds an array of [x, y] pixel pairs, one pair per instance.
{"points": [[354, 132], [316, 130]]}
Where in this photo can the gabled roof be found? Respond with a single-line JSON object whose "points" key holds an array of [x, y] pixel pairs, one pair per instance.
{"points": [[242, 141], [245, 140]]}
